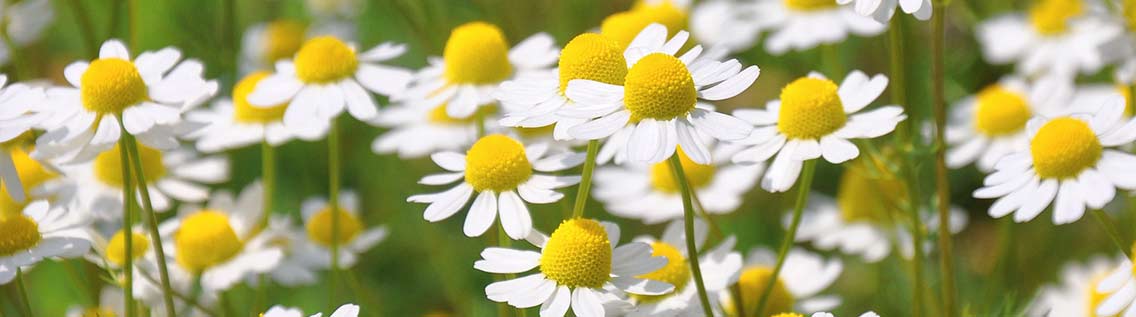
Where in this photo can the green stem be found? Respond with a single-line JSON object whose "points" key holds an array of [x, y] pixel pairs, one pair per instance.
{"points": [[190, 299], [333, 199], [261, 292], [361, 292], [127, 226], [806, 182], [715, 230], [691, 246], [586, 179], [897, 81], [83, 288], [479, 121], [942, 182], [133, 24], [831, 55], [23, 289], [268, 179], [1108, 226], [86, 29], [151, 219], [15, 57], [231, 35]]}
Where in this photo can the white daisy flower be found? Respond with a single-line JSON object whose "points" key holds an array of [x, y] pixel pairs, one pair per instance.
{"points": [[803, 276], [326, 76], [624, 26], [660, 97], [650, 193], [263, 44], [986, 126], [220, 242], [1111, 295], [347, 310], [580, 267], [111, 303], [804, 24], [1070, 163], [40, 181], [21, 109], [725, 24], [1077, 294], [148, 93], [110, 253], [174, 175], [720, 267], [353, 238], [37, 233], [883, 10], [827, 314], [24, 22], [235, 123], [815, 118], [299, 265], [1090, 97], [1056, 37], [501, 170], [418, 131]]}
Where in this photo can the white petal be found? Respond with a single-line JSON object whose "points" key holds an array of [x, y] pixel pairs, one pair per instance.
{"points": [[481, 214], [733, 86], [585, 303], [515, 216]]}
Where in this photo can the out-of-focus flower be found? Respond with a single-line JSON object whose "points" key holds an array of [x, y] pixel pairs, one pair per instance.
{"points": [[235, 123], [883, 10], [802, 277], [1057, 38], [39, 232], [1076, 293], [352, 239]]}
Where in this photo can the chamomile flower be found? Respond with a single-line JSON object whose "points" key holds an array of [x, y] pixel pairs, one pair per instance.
{"points": [[1056, 37], [624, 26], [24, 22], [501, 170], [299, 266], [661, 97], [38, 232], [477, 59], [263, 44], [725, 24], [326, 76], [235, 123], [347, 310], [110, 253], [804, 24], [110, 304], [650, 192], [419, 131], [40, 181], [815, 118], [720, 267], [1070, 163], [883, 10], [992, 123], [580, 267], [174, 175], [1077, 294], [220, 242], [803, 276], [827, 314], [353, 237], [21, 109], [148, 94], [1090, 97], [1114, 293]]}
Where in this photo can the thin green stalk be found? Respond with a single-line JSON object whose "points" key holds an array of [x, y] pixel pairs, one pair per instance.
{"points": [[715, 230], [85, 294], [586, 179], [151, 219], [190, 299], [831, 55], [942, 182], [133, 25], [688, 219], [231, 31], [261, 292], [479, 120], [22, 287], [127, 226], [898, 81], [86, 29], [806, 182], [1108, 226], [268, 180], [15, 57], [333, 199], [361, 292]]}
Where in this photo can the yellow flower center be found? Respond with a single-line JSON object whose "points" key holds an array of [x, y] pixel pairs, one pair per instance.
{"points": [[1051, 17], [325, 59], [110, 85], [624, 26], [810, 109], [31, 173], [697, 175], [478, 54], [320, 232], [116, 248], [108, 166], [206, 239], [1095, 298], [862, 197], [1000, 112], [577, 254], [659, 87], [676, 272], [245, 112], [1128, 9], [282, 38], [498, 163], [20, 233], [809, 5], [438, 115], [1126, 92], [594, 57], [535, 132], [752, 283], [1063, 148], [98, 312]]}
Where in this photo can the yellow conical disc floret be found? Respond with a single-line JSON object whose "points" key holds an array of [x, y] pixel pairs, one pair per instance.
{"points": [[624, 26], [320, 232], [676, 272], [20, 233], [659, 87], [578, 254], [205, 239], [282, 38], [1000, 112], [32, 174], [809, 5], [116, 247], [1051, 17], [110, 85], [866, 197], [593, 57], [752, 283], [498, 163], [108, 165], [245, 112], [1063, 148], [325, 59], [810, 109], [697, 175], [477, 53]]}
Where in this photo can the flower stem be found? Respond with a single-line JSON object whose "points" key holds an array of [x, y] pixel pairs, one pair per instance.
{"points": [[20, 285], [333, 201], [151, 219], [787, 243], [942, 183], [268, 180], [133, 24], [127, 227], [688, 220], [1108, 226], [86, 29], [586, 179]]}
